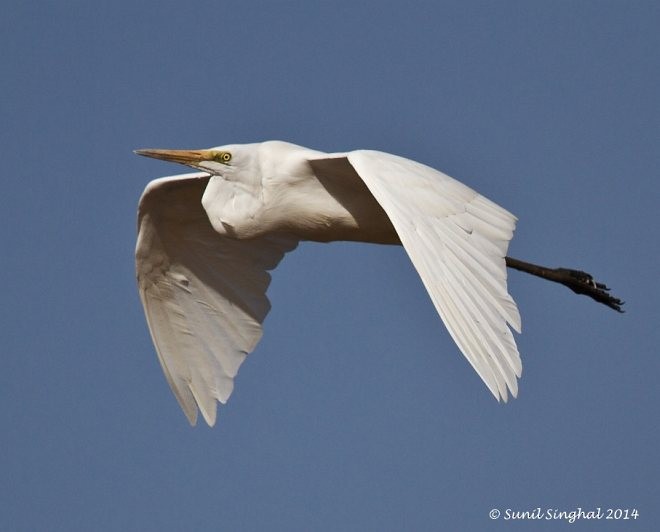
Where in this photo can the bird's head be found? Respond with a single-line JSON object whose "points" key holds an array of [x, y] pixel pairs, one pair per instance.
{"points": [[219, 161]]}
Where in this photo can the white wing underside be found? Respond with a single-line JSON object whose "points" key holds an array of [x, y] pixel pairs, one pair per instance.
{"points": [[204, 294], [457, 241]]}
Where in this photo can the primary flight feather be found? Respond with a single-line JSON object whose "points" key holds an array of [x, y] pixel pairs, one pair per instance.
{"points": [[207, 240]]}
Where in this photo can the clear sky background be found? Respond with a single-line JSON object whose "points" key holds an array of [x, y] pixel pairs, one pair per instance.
{"points": [[356, 412]]}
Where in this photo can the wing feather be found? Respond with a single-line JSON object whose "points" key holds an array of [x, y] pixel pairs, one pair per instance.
{"points": [[457, 241], [204, 295]]}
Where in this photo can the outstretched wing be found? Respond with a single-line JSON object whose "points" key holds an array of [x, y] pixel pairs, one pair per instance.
{"points": [[457, 241], [204, 295]]}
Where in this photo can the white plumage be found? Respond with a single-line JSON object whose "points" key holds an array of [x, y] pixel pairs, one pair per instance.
{"points": [[207, 240]]}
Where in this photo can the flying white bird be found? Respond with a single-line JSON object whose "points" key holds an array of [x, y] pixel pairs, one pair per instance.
{"points": [[207, 240]]}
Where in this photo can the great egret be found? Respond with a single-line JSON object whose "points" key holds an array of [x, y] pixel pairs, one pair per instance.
{"points": [[207, 240]]}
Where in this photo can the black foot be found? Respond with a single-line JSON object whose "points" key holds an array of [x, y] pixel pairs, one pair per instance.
{"points": [[583, 283], [578, 281]]}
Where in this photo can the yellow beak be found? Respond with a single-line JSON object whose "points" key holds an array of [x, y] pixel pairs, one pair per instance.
{"points": [[187, 157]]}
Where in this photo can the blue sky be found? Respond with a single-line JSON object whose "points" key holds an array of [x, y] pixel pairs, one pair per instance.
{"points": [[356, 411]]}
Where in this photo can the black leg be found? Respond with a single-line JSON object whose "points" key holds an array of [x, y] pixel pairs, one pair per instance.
{"points": [[578, 281]]}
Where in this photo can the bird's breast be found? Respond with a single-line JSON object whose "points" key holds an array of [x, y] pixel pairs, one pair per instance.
{"points": [[309, 205], [325, 210]]}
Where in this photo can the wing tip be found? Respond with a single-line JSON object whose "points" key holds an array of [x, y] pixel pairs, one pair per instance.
{"points": [[210, 416], [209, 412], [502, 396], [191, 416]]}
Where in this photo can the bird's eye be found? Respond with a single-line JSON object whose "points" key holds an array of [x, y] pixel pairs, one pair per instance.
{"points": [[222, 156]]}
